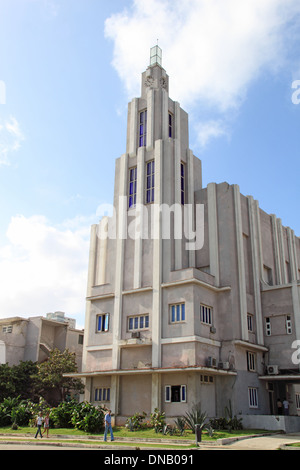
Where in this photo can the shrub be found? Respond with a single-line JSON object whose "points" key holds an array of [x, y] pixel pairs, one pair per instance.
{"points": [[61, 416], [88, 417], [180, 424], [228, 422], [157, 420], [135, 421], [195, 416]]}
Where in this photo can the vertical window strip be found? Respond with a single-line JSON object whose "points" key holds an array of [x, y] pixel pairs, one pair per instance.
{"points": [[206, 314], [167, 393], [143, 129], [268, 326], [102, 394], [288, 325], [182, 182], [253, 397], [150, 181], [177, 313], [132, 187], [170, 125]]}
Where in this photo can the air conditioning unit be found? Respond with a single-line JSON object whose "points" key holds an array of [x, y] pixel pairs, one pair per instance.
{"points": [[272, 370], [211, 361], [224, 365], [136, 334]]}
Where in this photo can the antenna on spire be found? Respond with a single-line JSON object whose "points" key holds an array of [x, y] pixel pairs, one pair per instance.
{"points": [[155, 55]]}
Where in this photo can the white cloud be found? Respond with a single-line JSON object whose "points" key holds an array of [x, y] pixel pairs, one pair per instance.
{"points": [[212, 50], [43, 268], [11, 137], [205, 131]]}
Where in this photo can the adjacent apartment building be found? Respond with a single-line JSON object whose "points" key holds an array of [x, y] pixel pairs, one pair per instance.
{"points": [[33, 338], [193, 292]]}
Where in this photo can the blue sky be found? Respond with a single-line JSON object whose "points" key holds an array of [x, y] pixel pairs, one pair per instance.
{"points": [[69, 68]]}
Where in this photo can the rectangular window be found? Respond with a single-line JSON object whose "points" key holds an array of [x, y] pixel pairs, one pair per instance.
{"points": [[175, 394], [143, 129], [182, 182], [150, 181], [253, 397], [250, 322], [288, 324], [80, 339], [268, 326], [206, 379], [139, 322], [251, 362], [102, 322], [132, 187], [7, 329], [177, 313], [267, 275], [170, 125], [102, 394], [297, 395], [206, 314]]}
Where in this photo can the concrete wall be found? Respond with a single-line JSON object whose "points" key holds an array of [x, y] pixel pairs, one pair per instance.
{"points": [[288, 424]]}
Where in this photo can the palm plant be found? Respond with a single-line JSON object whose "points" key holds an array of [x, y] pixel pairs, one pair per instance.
{"points": [[196, 418]]}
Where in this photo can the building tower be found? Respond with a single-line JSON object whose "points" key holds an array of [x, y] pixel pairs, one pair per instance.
{"points": [[182, 279]]}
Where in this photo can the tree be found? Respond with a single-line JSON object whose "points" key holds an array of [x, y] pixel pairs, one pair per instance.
{"points": [[50, 373], [7, 387], [25, 380]]}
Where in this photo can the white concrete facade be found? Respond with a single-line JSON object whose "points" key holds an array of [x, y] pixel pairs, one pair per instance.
{"points": [[168, 326]]}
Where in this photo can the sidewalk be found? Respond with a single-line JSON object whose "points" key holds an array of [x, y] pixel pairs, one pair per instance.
{"points": [[258, 442]]}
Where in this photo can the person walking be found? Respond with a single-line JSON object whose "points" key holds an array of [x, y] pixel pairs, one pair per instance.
{"points": [[46, 424], [39, 422], [285, 404], [107, 422]]}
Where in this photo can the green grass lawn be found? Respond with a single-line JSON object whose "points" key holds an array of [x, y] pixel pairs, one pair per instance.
{"points": [[120, 431]]}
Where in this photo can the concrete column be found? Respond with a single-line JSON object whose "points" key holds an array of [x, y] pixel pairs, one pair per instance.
{"points": [[281, 252], [213, 232], [133, 127], [190, 200], [102, 251], [156, 392], [157, 257], [177, 183], [150, 119], [120, 244], [138, 247], [292, 252], [240, 262], [254, 239], [276, 250], [92, 259], [90, 284], [165, 114], [114, 397], [259, 240]]}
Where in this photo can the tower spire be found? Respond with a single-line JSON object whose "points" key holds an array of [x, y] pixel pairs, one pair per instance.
{"points": [[155, 55]]}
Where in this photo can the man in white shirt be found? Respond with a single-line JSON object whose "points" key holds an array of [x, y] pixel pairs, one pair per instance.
{"points": [[39, 422]]}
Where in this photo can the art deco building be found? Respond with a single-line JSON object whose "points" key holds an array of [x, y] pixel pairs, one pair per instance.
{"points": [[171, 320]]}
